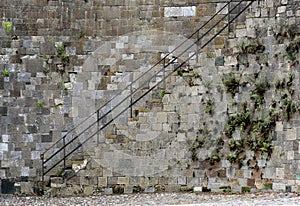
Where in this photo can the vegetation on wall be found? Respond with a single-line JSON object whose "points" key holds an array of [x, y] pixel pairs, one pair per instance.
{"points": [[203, 135], [251, 128], [231, 82], [248, 47], [8, 26], [209, 105], [292, 50], [62, 55], [5, 73], [260, 88], [286, 33], [40, 103], [249, 131], [251, 46], [190, 76]]}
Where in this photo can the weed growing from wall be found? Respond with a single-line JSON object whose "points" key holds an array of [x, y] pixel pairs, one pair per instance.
{"points": [[261, 86], [232, 82], [292, 50], [284, 32], [246, 47], [62, 55], [251, 46], [8, 27], [209, 105], [40, 103], [162, 93], [5, 73], [199, 142]]}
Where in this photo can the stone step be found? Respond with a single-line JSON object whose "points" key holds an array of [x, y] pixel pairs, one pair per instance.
{"points": [[117, 138], [57, 182], [143, 109], [110, 136], [156, 105]]}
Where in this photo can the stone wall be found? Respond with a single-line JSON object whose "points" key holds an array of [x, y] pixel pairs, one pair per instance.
{"points": [[65, 59]]}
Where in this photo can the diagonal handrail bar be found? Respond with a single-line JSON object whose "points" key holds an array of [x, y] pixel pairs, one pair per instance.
{"points": [[148, 91], [169, 63]]}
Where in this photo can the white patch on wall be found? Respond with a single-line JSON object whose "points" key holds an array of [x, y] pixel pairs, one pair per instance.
{"points": [[3, 147], [180, 11], [220, 6], [189, 11], [25, 171]]}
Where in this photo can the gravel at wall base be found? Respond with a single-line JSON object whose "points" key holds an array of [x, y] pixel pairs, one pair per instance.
{"points": [[189, 199]]}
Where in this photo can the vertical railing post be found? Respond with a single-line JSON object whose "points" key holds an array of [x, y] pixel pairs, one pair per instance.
{"points": [[229, 18], [98, 125], [131, 101], [64, 145], [164, 75], [43, 178], [197, 52]]}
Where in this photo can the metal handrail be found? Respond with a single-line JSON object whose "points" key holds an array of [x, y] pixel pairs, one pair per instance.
{"points": [[142, 75], [141, 86]]}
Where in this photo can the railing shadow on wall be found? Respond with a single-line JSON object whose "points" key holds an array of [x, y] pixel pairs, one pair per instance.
{"points": [[57, 154]]}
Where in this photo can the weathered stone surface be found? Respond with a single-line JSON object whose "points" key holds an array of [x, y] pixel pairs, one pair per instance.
{"points": [[108, 191], [62, 69], [57, 180], [27, 187]]}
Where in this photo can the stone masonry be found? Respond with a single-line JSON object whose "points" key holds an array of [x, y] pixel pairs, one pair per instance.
{"points": [[61, 60]]}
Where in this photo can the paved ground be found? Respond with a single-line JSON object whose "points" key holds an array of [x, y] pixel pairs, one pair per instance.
{"points": [[188, 199]]}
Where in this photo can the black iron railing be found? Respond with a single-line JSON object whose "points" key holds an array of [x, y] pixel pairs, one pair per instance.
{"points": [[95, 119]]}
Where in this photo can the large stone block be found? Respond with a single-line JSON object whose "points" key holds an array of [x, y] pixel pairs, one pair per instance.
{"points": [[123, 180], [279, 187], [3, 147], [24, 77], [108, 191], [281, 9], [269, 173], [25, 171], [8, 186], [15, 155], [291, 134], [181, 180], [102, 181], [27, 138], [3, 111]]}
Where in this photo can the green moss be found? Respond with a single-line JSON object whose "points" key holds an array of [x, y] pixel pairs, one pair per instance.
{"points": [[61, 53], [268, 186], [186, 189], [226, 189], [8, 26], [162, 93], [209, 106], [246, 189], [40, 104], [5, 73]]}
